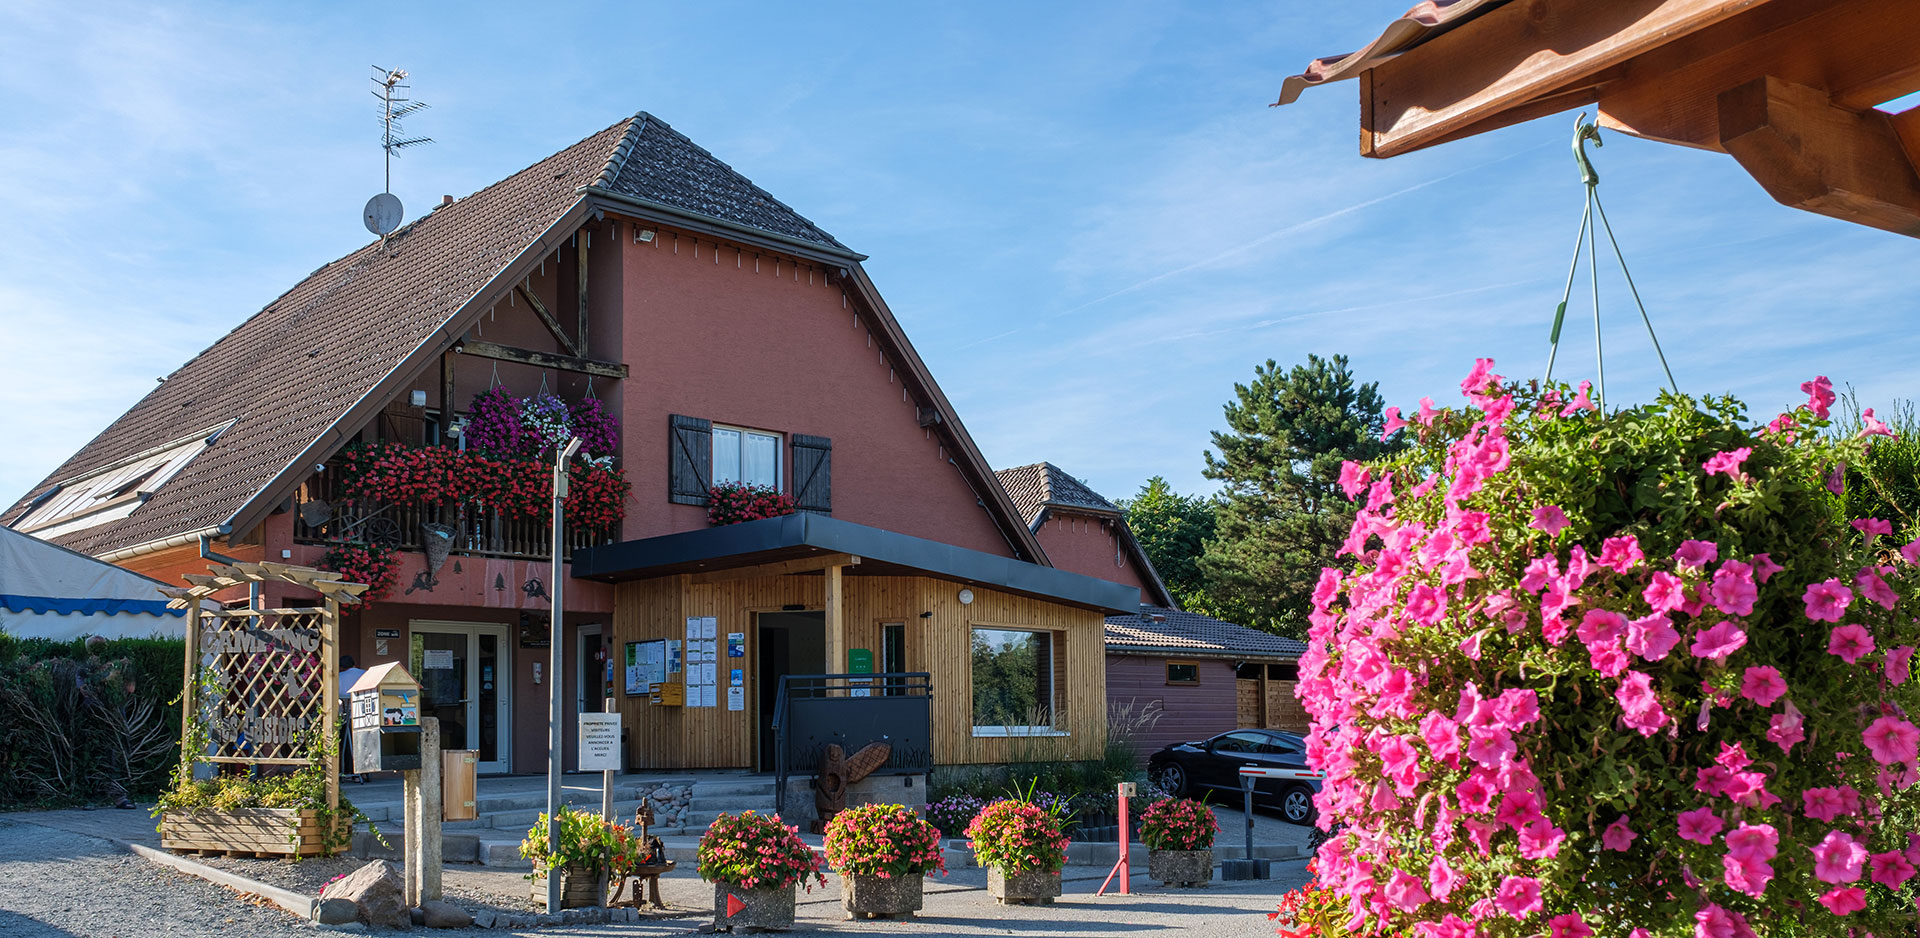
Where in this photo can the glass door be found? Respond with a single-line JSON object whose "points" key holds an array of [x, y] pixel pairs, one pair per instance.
{"points": [[465, 683]]}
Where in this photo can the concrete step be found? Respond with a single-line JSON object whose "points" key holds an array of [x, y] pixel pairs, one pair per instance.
{"points": [[732, 804]]}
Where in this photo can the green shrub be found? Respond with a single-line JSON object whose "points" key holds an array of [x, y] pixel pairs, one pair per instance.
{"points": [[87, 725]]}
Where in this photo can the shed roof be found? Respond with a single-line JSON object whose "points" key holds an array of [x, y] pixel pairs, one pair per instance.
{"points": [[1157, 630]]}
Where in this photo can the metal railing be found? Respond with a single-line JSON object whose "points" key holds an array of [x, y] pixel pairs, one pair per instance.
{"points": [[813, 711]]}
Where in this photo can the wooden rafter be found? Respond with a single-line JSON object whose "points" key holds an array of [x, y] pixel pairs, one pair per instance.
{"points": [[580, 258], [227, 576], [1809, 153], [778, 568], [525, 288], [508, 353]]}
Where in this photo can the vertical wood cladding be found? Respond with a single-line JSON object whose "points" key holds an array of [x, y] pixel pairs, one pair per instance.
{"points": [[715, 737], [1187, 711]]}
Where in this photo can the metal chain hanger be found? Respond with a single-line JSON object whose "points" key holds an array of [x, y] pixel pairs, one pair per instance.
{"points": [[1584, 130]]}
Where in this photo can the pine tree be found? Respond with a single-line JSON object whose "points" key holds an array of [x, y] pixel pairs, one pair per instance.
{"points": [[1281, 514]]}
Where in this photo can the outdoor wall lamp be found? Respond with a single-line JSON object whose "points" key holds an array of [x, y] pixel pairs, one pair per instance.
{"points": [[926, 615], [642, 235], [966, 597]]}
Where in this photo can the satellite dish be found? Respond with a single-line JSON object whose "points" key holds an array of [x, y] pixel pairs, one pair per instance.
{"points": [[383, 214]]}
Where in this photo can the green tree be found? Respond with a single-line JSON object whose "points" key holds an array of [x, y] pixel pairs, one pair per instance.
{"points": [[1173, 530], [1281, 514]]}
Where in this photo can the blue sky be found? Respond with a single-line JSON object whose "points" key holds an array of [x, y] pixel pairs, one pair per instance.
{"points": [[1086, 216]]}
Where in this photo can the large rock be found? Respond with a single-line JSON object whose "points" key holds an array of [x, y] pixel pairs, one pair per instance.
{"points": [[336, 911], [442, 915], [375, 891]]}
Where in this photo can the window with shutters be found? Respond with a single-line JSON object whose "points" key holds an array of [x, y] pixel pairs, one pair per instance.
{"points": [[689, 460], [749, 457]]}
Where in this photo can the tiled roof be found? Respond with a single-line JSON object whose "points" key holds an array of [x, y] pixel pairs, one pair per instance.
{"points": [[1044, 485], [1427, 19], [292, 370], [662, 166], [1156, 629]]}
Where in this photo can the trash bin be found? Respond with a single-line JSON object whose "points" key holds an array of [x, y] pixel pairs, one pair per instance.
{"points": [[457, 769]]}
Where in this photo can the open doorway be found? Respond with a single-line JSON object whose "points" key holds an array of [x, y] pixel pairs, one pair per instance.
{"points": [[788, 643]]}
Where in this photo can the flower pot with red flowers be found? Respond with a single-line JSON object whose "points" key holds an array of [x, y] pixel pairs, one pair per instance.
{"points": [[734, 502], [754, 861], [590, 853], [1179, 836], [883, 853], [1023, 849]]}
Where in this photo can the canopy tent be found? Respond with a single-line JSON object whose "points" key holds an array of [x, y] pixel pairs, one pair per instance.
{"points": [[48, 591]]}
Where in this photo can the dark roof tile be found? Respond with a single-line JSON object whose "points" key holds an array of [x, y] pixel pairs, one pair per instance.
{"points": [[1045, 485], [1157, 629]]}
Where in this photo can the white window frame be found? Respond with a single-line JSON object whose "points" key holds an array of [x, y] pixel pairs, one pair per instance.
{"points": [[779, 464], [1056, 641]]}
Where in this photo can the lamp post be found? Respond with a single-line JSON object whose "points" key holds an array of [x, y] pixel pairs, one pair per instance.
{"points": [[556, 642]]}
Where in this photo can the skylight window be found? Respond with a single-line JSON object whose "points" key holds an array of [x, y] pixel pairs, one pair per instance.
{"points": [[113, 492]]}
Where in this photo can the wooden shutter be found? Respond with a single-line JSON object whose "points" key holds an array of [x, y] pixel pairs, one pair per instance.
{"points": [[689, 460], [813, 473]]}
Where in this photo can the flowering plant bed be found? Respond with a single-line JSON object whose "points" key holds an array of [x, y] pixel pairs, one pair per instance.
{"points": [[757, 850], [1627, 671], [395, 473], [369, 563], [588, 842], [1016, 836], [883, 840], [1178, 824], [734, 502], [1312, 911]]}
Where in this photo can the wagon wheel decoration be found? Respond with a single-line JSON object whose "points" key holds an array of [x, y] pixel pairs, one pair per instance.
{"points": [[381, 531]]}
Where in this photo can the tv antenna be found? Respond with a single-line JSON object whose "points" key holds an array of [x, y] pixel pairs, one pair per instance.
{"points": [[384, 212]]}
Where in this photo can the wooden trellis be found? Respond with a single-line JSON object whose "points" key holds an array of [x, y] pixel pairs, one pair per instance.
{"points": [[275, 673]]}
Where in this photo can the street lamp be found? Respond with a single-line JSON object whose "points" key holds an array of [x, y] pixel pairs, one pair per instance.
{"points": [[556, 632]]}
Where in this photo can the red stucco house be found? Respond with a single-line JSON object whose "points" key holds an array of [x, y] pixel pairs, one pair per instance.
{"points": [[733, 341], [1193, 674]]}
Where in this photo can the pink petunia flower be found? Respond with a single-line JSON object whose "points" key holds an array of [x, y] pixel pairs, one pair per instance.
{"points": [[1427, 413], [1519, 897], [1549, 518], [1899, 665], [1850, 643], [1871, 425], [1892, 740], [1787, 729], [1618, 836], [1820, 396], [1441, 879], [1868, 582], [1700, 825], [1652, 637], [1353, 478], [1827, 600], [1728, 462], [1872, 527], [1764, 567], [1890, 869], [1825, 804], [1665, 592], [1570, 925], [1696, 553], [1733, 591], [1838, 858], [1621, 554], [1762, 684], [1393, 425], [1405, 891], [1910, 552], [1581, 401], [1837, 479], [1718, 642], [1844, 900]]}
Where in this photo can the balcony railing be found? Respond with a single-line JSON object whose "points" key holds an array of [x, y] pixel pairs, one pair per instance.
{"points": [[323, 516]]}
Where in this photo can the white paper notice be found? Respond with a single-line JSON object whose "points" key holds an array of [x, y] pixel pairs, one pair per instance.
{"points": [[438, 659], [707, 673], [736, 698], [709, 696], [710, 627], [599, 742], [693, 627]]}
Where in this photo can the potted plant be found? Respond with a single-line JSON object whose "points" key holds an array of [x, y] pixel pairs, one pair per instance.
{"points": [[883, 853], [589, 852], [754, 861], [1021, 846], [1179, 836]]}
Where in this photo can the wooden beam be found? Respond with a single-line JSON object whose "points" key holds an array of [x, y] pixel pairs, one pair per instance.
{"points": [[580, 256], [779, 568], [448, 408], [508, 353], [1862, 53], [836, 622], [1481, 74], [540, 309], [1810, 154]]}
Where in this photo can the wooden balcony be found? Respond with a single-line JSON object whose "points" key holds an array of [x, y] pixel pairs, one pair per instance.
{"points": [[322, 516]]}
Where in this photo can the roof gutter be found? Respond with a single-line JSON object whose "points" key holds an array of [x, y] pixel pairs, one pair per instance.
{"points": [[196, 536], [436, 343], [708, 224], [1222, 653]]}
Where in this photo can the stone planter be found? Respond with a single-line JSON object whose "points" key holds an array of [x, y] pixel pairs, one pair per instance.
{"points": [[1034, 887], [579, 889], [766, 908], [877, 897], [1181, 867]]}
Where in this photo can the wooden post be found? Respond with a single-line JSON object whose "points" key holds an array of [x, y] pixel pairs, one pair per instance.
{"points": [[422, 806], [447, 406], [1266, 713], [189, 697], [330, 689], [836, 622], [580, 255]]}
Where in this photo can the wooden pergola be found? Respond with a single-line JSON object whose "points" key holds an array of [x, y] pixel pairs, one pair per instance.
{"points": [[1788, 88]]}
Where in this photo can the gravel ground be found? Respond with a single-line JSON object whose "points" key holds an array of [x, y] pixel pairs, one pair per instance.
{"points": [[60, 884]]}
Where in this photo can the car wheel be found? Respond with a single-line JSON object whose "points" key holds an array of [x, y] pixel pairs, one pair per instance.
{"points": [[1296, 804], [1173, 779]]}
